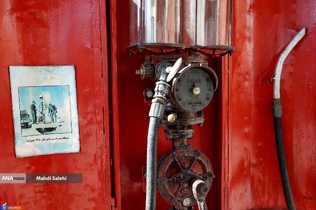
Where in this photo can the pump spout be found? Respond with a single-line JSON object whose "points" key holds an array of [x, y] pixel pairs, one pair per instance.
{"points": [[277, 113], [280, 62]]}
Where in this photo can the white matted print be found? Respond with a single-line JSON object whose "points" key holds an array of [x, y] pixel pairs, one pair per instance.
{"points": [[44, 110]]}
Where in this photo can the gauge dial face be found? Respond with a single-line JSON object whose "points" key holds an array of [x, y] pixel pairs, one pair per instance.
{"points": [[193, 90]]}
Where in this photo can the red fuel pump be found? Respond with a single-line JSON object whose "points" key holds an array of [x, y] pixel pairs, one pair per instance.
{"points": [[175, 39]]}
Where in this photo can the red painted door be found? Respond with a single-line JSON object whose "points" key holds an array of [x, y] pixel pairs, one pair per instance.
{"points": [[238, 133], [131, 125], [58, 33]]}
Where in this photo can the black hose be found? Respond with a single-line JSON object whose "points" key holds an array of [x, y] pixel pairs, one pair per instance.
{"points": [[277, 113], [151, 166]]}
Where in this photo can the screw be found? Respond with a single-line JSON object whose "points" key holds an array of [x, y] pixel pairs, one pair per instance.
{"points": [[198, 153], [149, 93], [185, 185], [178, 179]]}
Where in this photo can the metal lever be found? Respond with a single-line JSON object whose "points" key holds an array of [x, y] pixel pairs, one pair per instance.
{"points": [[200, 191], [173, 70]]}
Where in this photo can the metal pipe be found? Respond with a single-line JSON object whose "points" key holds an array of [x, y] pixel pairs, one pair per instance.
{"points": [[279, 66], [277, 113]]}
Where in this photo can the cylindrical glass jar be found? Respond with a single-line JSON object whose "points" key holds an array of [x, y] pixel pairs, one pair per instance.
{"points": [[205, 23], [155, 21], [212, 22]]}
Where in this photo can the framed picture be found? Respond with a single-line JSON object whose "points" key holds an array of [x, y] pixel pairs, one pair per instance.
{"points": [[44, 107]]}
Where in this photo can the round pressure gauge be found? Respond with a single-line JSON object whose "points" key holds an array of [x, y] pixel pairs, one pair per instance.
{"points": [[193, 88]]}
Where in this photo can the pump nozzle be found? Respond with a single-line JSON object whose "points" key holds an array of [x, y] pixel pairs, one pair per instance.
{"points": [[156, 113]]}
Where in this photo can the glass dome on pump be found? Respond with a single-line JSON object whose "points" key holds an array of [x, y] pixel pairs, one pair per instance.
{"points": [[180, 27]]}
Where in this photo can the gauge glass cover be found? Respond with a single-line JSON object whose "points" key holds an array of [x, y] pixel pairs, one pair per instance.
{"points": [[193, 89]]}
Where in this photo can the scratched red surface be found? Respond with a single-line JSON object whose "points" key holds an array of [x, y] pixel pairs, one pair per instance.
{"points": [[261, 31], [238, 132], [57, 33], [242, 147]]}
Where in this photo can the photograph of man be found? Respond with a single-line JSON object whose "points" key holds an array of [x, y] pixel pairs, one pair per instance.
{"points": [[33, 111], [49, 112], [52, 110], [42, 117]]}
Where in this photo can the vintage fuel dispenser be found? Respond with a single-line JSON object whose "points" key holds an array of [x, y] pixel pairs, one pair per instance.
{"points": [[175, 39]]}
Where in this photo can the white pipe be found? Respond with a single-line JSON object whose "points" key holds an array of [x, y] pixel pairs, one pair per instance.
{"points": [[279, 66]]}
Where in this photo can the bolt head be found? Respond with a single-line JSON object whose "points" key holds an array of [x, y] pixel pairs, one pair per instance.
{"points": [[186, 202], [196, 91], [172, 117]]}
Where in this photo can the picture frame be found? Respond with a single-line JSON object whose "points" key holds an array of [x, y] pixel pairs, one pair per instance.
{"points": [[44, 106]]}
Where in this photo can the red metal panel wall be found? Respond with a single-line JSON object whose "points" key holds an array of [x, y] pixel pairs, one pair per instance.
{"points": [[261, 31], [247, 163], [57, 33], [237, 135], [132, 125]]}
